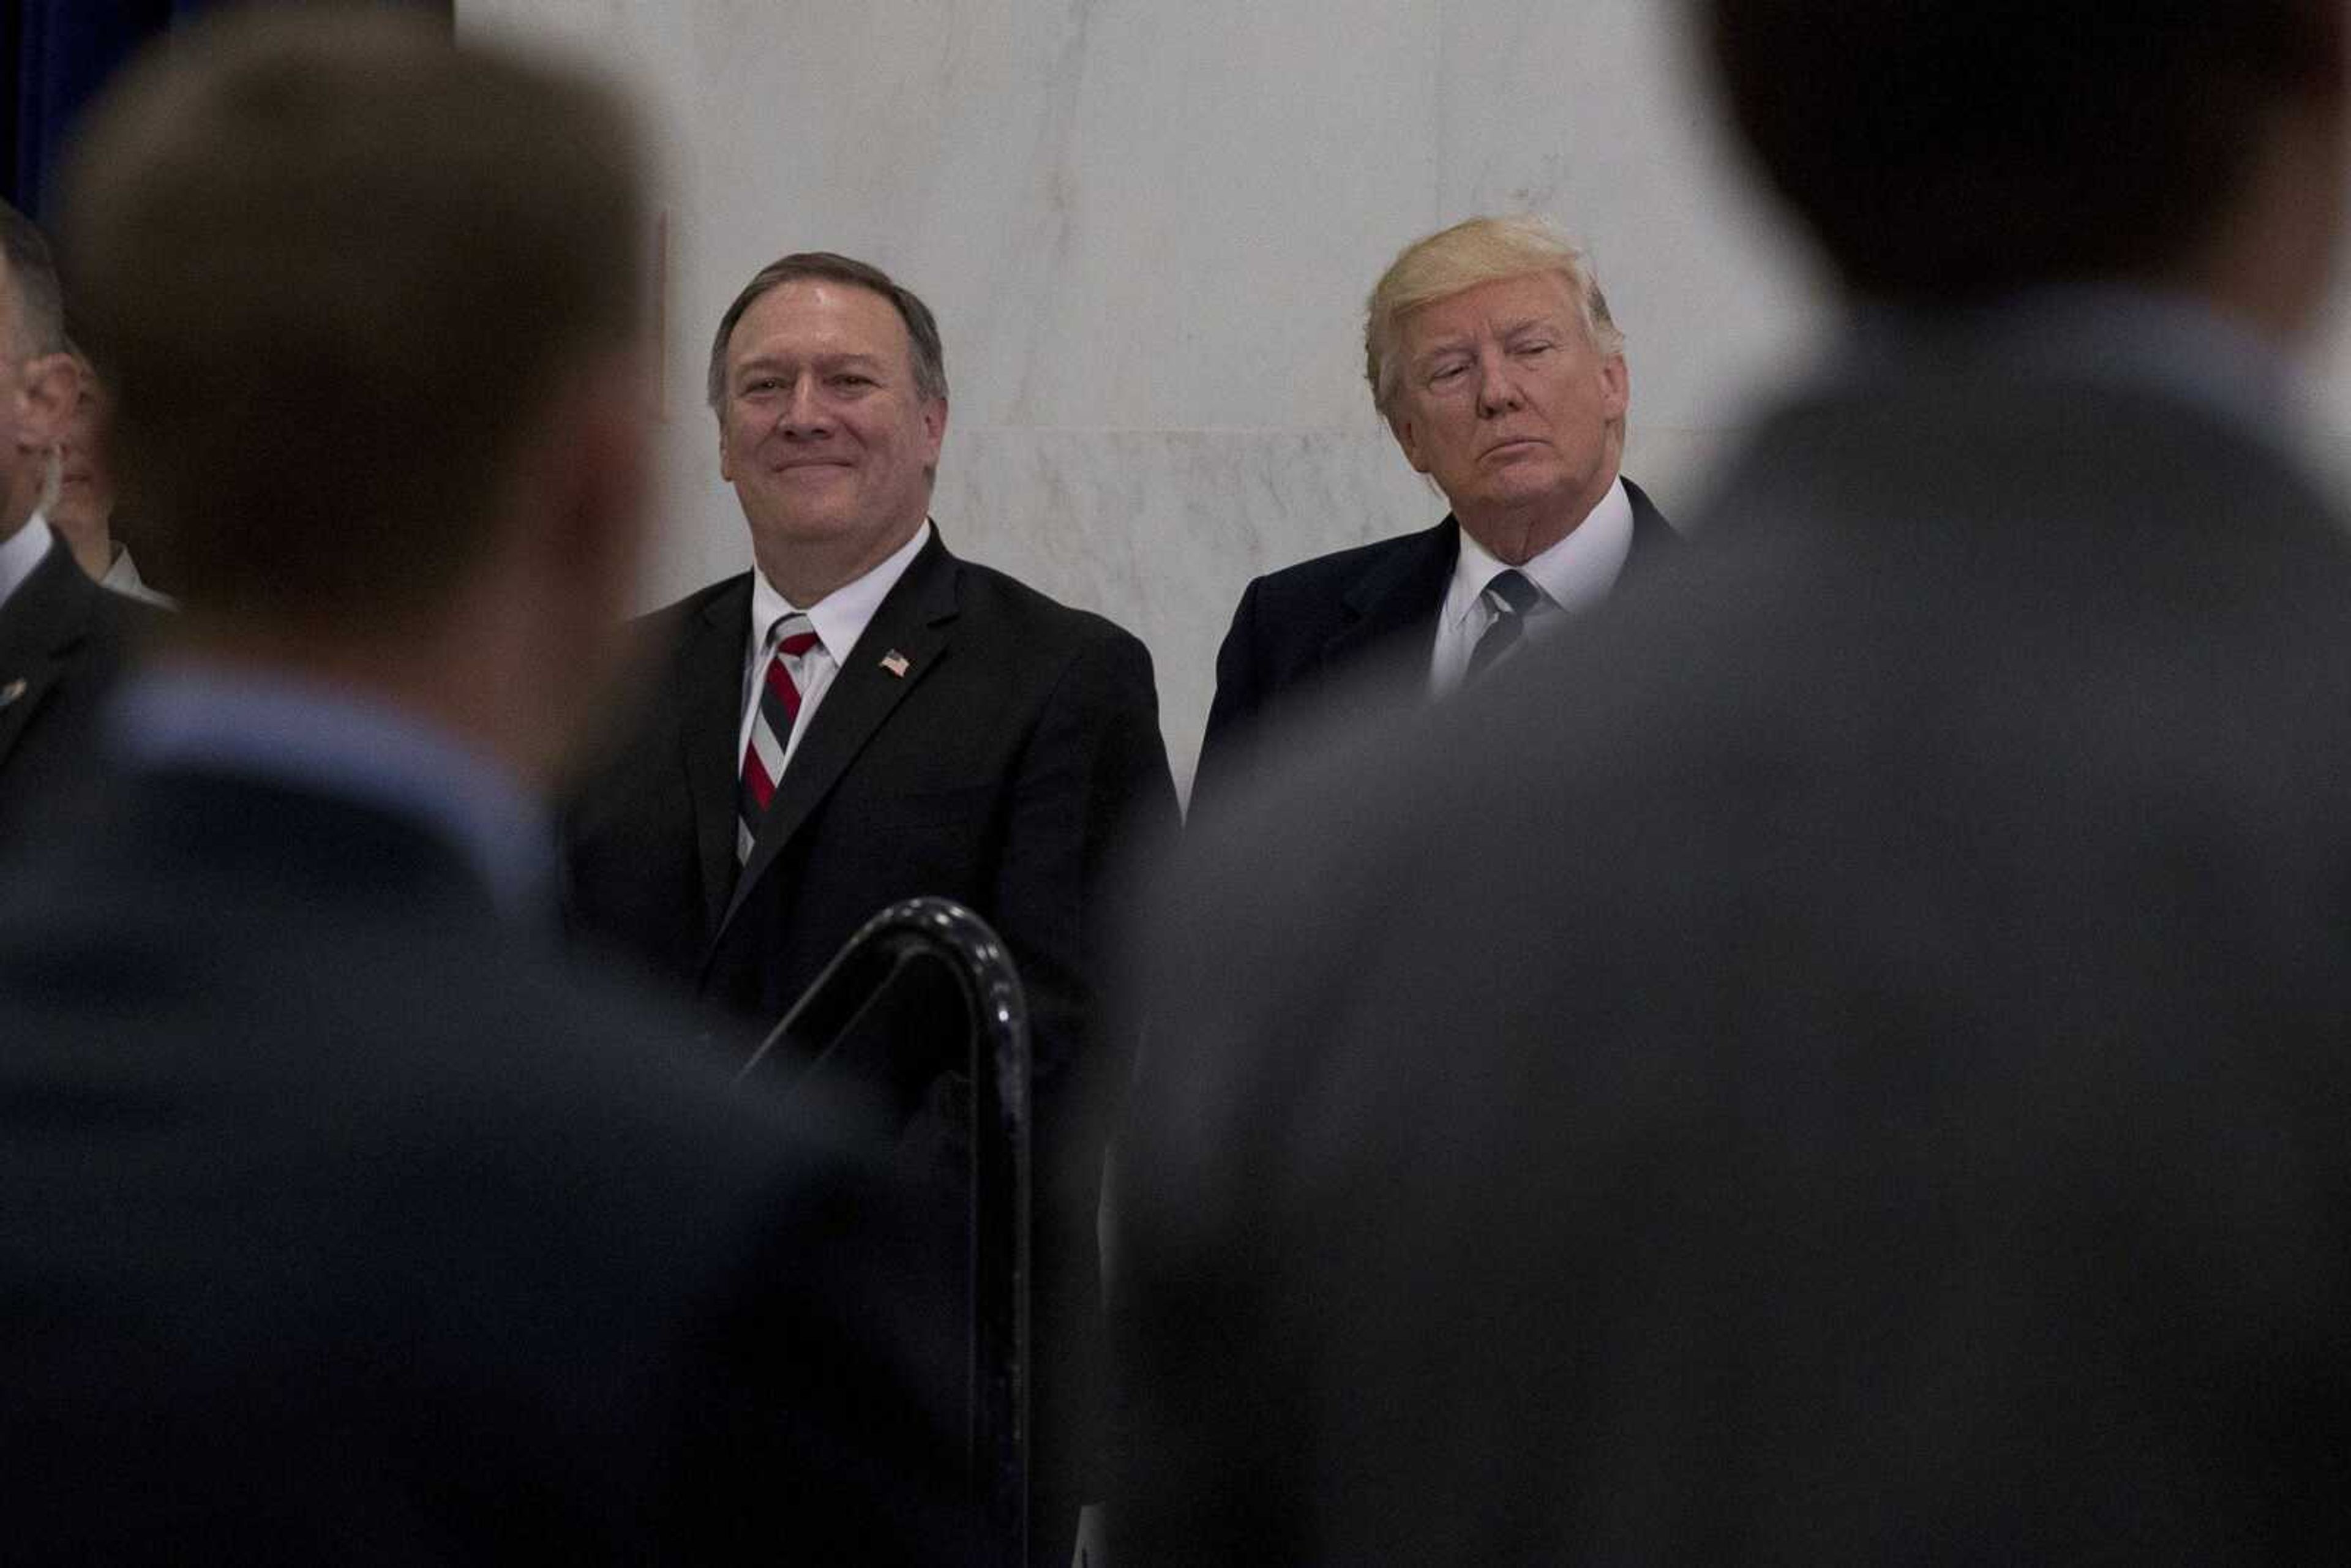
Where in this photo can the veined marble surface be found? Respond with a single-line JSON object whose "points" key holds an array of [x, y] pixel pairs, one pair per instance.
{"points": [[1148, 230]]}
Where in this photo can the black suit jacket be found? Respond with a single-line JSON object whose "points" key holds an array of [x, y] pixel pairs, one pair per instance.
{"points": [[1007, 769], [345, 1222], [63, 640], [1864, 1083], [1351, 617]]}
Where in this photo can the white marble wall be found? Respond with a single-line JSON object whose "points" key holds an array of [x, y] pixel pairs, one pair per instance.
{"points": [[1148, 228]]}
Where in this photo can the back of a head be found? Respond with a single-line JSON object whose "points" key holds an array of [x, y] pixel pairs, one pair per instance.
{"points": [[333, 263], [1948, 152]]}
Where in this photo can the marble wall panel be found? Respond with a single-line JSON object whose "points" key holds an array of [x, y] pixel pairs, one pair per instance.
{"points": [[1595, 115], [1148, 230]]}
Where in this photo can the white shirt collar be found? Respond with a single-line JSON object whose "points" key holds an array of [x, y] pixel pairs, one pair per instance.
{"points": [[841, 616], [1575, 574], [21, 554], [313, 735]]}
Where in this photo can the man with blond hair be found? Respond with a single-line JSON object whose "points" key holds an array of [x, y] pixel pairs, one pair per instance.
{"points": [[1491, 355]]}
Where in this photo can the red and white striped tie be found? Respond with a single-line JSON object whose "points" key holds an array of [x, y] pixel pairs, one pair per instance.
{"points": [[777, 709]]}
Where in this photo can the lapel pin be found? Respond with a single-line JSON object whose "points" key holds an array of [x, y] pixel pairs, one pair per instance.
{"points": [[15, 689], [894, 661]]}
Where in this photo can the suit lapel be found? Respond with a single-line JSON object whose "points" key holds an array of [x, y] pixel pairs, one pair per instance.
{"points": [[708, 690], [913, 622], [40, 626], [1398, 600], [1653, 538]]}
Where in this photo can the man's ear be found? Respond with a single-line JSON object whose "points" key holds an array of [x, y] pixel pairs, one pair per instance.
{"points": [[934, 429], [48, 388], [1408, 437], [1616, 386]]}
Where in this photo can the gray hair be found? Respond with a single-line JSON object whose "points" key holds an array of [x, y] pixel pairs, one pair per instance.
{"points": [[922, 328]]}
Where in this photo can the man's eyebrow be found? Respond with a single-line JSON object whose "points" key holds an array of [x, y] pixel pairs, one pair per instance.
{"points": [[827, 360], [1534, 323]]}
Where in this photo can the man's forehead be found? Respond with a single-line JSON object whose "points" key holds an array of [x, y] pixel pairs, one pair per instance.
{"points": [[819, 315], [1521, 298]]}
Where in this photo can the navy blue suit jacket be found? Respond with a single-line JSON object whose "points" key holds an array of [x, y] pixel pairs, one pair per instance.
{"points": [[1008, 768], [63, 642], [346, 1221], [1347, 618]]}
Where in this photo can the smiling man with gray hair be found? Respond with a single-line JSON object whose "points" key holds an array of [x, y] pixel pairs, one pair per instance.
{"points": [[866, 717]]}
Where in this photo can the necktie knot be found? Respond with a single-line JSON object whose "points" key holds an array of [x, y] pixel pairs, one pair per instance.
{"points": [[793, 636], [1511, 598], [1510, 593]]}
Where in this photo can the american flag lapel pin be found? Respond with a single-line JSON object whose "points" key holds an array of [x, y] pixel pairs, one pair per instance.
{"points": [[895, 662], [12, 691]]}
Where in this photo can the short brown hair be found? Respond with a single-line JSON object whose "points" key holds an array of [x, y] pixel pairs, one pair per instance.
{"points": [[922, 328], [331, 261], [1473, 251], [1950, 151]]}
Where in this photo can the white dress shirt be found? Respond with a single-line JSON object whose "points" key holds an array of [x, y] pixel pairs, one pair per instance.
{"points": [[1575, 574], [840, 618], [122, 577], [21, 554]]}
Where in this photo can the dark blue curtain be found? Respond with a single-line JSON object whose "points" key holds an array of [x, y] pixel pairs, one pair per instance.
{"points": [[56, 54], [59, 53]]}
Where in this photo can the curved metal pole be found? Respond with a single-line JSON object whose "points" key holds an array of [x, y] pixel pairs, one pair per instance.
{"points": [[998, 1060]]}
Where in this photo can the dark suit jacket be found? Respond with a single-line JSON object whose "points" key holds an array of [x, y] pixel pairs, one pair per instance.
{"points": [[65, 639], [1352, 616], [1005, 769], [1864, 1083], [347, 1223]]}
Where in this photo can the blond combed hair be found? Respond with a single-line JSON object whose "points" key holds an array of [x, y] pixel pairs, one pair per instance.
{"points": [[1475, 251]]}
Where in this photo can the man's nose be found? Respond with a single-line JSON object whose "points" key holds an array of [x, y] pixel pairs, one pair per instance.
{"points": [[803, 414], [1498, 383]]}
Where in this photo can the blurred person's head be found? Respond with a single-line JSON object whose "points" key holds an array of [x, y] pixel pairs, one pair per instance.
{"points": [[1949, 152], [830, 391], [286, 233], [1491, 354], [37, 381]]}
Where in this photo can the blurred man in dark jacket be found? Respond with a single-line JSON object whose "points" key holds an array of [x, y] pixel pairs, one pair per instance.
{"points": [[1866, 1081]]}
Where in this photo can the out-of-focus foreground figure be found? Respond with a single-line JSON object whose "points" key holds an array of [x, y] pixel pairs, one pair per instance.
{"points": [[1866, 1081], [344, 1222]]}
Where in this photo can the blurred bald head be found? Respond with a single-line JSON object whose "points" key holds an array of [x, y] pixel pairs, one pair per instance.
{"points": [[1955, 151]]}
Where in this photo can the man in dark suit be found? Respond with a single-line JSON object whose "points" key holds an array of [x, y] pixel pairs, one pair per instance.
{"points": [[1492, 356], [346, 1221], [867, 717], [61, 637], [1866, 1081]]}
